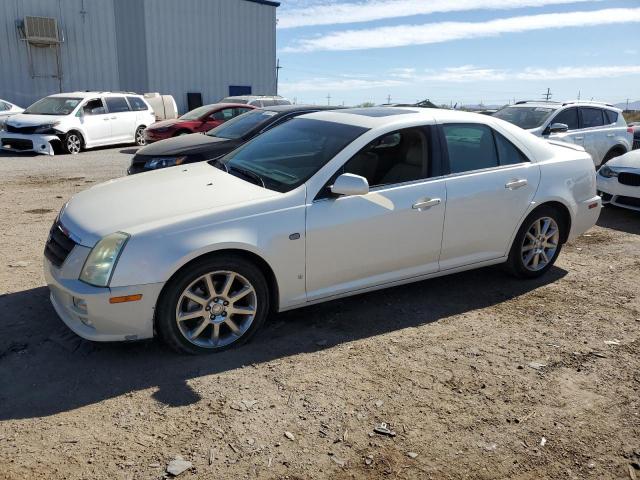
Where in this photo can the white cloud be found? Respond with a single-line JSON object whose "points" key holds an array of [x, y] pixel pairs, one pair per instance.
{"points": [[403, 77], [404, 35], [305, 14]]}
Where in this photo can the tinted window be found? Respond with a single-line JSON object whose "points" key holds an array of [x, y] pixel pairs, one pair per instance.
{"points": [[242, 125], [288, 155], [612, 116], [53, 106], [569, 117], [283, 102], [240, 111], [394, 158], [117, 104], [224, 114], [94, 107], [508, 153], [137, 104], [4, 107], [471, 147], [591, 117], [524, 117]]}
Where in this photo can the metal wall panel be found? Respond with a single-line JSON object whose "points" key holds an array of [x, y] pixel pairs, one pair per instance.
{"points": [[206, 45], [88, 54]]}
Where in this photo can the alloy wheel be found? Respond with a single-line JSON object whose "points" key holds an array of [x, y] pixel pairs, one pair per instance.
{"points": [[540, 244], [73, 144], [140, 140], [216, 309]]}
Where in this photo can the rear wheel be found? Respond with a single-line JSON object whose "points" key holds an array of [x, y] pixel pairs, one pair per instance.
{"points": [[537, 244], [212, 306], [72, 143], [140, 140]]}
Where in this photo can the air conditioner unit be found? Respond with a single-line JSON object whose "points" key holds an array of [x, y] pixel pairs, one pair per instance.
{"points": [[41, 30]]}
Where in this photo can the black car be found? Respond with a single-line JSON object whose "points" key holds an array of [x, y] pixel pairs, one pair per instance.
{"points": [[217, 142]]}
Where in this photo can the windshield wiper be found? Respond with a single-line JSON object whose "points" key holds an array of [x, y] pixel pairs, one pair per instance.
{"points": [[247, 173]]}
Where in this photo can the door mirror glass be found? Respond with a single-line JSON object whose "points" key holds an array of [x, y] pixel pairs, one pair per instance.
{"points": [[558, 128], [350, 184]]}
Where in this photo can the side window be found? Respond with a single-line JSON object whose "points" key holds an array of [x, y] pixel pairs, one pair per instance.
{"points": [[4, 107], [508, 153], [268, 103], [117, 104], [611, 116], [470, 146], [94, 107], [591, 117], [137, 104], [223, 115], [397, 157], [569, 117], [240, 111]]}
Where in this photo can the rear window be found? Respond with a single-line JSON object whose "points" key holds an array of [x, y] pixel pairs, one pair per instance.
{"points": [[137, 104], [525, 117], [117, 104]]}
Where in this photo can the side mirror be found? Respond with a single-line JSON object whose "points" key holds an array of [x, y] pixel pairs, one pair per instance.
{"points": [[350, 184], [558, 128]]}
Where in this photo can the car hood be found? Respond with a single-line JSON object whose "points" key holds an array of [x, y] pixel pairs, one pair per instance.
{"points": [[27, 120], [184, 144], [134, 203], [628, 160]]}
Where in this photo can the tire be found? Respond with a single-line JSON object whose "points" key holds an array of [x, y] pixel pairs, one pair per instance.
{"points": [[139, 136], [72, 143], [210, 324], [528, 245]]}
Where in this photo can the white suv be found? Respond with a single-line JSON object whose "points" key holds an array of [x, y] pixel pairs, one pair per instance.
{"points": [[78, 120], [598, 127], [259, 101]]}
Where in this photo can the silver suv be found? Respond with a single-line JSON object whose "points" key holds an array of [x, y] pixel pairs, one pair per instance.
{"points": [[258, 100], [598, 127]]}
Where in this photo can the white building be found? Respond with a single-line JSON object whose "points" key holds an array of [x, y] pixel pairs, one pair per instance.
{"points": [[212, 47]]}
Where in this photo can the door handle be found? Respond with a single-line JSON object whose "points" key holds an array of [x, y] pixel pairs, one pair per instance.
{"points": [[611, 134], [105, 119], [579, 138], [515, 184], [427, 203], [113, 118]]}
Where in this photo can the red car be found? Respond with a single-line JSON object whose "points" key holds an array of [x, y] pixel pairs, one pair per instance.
{"points": [[202, 119]]}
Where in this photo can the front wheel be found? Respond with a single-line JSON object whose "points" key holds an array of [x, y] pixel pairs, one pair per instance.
{"points": [[537, 244], [140, 140], [72, 143], [214, 305]]}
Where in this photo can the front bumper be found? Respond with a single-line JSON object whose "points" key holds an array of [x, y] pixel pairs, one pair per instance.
{"points": [[86, 309], [19, 142], [615, 193]]}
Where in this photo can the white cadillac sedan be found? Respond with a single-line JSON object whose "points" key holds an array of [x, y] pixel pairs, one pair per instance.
{"points": [[619, 181], [326, 205]]}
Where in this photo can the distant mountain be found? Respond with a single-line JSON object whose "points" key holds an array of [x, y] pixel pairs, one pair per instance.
{"points": [[632, 105]]}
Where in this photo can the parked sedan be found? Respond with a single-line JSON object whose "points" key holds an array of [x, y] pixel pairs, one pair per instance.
{"points": [[201, 119], [6, 110], [323, 206], [619, 181], [216, 142]]}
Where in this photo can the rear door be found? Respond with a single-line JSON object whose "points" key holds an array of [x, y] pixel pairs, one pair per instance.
{"points": [[489, 188], [594, 135], [122, 119]]}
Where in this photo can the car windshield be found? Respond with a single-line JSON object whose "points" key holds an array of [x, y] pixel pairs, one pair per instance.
{"points": [[196, 113], [241, 125], [525, 117], [53, 106], [286, 156]]}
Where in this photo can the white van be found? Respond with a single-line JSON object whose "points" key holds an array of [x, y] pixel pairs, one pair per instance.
{"points": [[78, 120]]}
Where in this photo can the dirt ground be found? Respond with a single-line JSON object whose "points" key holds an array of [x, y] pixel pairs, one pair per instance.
{"points": [[480, 376]]}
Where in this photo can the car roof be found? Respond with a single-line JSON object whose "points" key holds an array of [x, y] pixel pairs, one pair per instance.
{"points": [[298, 108], [558, 105], [224, 105], [255, 97], [85, 94]]}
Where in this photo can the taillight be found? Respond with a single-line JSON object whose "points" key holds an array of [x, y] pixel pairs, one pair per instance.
{"points": [[630, 130]]}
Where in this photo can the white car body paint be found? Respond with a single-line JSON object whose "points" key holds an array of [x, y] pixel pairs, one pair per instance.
{"points": [[178, 214], [622, 194], [98, 130], [8, 109]]}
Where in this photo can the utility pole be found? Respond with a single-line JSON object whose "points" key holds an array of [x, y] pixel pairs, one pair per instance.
{"points": [[328, 99], [278, 67], [389, 98], [547, 96], [627, 109], [578, 94]]}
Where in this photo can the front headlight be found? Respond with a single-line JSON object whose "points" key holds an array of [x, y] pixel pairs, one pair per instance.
{"points": [[163, 162], [46, 128], [607, 172], [101, 262]]}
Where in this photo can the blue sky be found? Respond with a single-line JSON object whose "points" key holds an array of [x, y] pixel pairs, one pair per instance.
{"points": [[463, 51]]}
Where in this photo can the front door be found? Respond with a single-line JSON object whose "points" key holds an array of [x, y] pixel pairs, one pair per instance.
{"points": [[489, 190], [392, 233]]}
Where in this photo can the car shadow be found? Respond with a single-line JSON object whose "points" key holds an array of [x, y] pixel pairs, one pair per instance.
{"points": [[45, 369], [130, 151], [620, 219]]}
